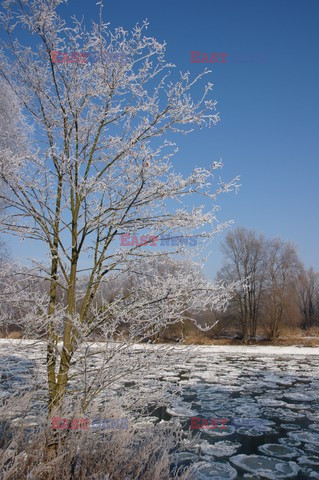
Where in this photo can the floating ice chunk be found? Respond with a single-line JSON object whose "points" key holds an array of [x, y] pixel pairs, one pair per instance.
{"points": [[247, 411], [314, 426], [304, 436], [270, 402], [253, 432], [290, 426], [248, 476], [266, 467], [291, 418], [257, 430], [209, 398], [277, 450], [223, 413], [300, 397], [314, 417], [290, 414], [184, 457], [289, 441], [180, 411], [311, 448], [297, 406], [219, 432], [214, 471], [219, 449], [309, 460]]}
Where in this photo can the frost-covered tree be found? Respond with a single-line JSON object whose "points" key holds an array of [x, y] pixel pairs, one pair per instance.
{"points": [[101, 167], [13, 135], [13, 141]]}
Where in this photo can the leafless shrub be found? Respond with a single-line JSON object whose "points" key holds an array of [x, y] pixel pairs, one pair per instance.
{"points": [[87, 453]]}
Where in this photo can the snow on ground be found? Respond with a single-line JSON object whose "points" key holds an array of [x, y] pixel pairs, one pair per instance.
{"points": [[254, 349]]}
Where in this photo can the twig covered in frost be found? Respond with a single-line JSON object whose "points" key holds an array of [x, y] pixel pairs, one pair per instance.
{"points": [[101, 167]]}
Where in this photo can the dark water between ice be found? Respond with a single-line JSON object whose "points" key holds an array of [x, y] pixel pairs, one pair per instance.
{"points": [[282, 390]]}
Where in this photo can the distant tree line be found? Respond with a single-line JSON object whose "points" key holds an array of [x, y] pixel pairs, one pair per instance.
{"points": [[276, 289], [275, 292]]}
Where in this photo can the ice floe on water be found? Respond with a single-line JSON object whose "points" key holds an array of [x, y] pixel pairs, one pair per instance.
{"points": [[249, 410], [277, 385], [314, 417], [181, 411], [219, 432], [266, 467], [298, 406], [309, 460], [290, 426], [310, 448], [304, 436], [219, 449], [253, 432], [269, 402], [277, 450], [289, 441], [216, 471], [184, 457], [300, 397]]}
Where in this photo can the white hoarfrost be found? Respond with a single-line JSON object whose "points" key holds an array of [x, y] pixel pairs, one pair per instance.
{"points": [[100, 168]]}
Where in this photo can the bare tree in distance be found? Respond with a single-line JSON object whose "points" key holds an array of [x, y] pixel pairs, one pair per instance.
{"points": [[307, 288], [244, 261], [101, 167], [283, 265]]}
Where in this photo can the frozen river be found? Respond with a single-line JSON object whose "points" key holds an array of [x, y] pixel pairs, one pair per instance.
{"points": [[279, 385]]}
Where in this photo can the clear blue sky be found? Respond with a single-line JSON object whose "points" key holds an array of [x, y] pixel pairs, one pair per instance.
{"points": [[268, 131]]}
